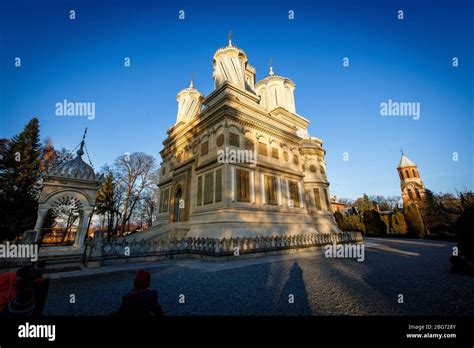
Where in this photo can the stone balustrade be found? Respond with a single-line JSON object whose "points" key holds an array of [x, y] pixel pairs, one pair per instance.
{"points": [[98, 249], [116, 248]]}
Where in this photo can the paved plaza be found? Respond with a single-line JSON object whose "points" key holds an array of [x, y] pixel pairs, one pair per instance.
{"points": [[417, 269]]}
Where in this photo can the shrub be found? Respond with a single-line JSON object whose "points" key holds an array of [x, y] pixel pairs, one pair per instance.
{"points": [[465, 233], [373, 223], [414, 220], [399, 225], [339, 219], [386, 220]]}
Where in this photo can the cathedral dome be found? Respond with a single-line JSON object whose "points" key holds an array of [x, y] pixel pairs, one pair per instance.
{"points": [[276, 91], [230, 64], [189, 103], [231, 50]]}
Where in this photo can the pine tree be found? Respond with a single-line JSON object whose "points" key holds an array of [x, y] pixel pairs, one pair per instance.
{"points": [[364, 203], [414, 220], [20, 182]]}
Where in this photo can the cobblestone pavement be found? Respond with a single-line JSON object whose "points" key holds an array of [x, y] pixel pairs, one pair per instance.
{"points": [[417, 269]]}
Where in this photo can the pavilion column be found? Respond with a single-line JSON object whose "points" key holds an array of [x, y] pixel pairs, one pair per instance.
{"points": [[39, 222], [82, 228]]}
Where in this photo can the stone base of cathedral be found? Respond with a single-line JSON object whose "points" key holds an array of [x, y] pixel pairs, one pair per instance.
{"points": [[233, 224], [249, 229]]}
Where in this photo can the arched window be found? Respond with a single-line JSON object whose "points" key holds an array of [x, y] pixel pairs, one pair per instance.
{"points": [[414, 173], [418, 195], [401, 175], [407, 174], [410, 194]]}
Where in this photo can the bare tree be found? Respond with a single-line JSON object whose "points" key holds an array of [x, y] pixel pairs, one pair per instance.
{"points": [[134, 173], [348, 202], [394, 201]]}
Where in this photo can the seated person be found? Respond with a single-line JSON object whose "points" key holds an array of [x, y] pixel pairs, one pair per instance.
{"points": [[141, 302]]}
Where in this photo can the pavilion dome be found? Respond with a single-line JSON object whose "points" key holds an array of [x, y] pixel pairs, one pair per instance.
{"points": [[75, 168]]}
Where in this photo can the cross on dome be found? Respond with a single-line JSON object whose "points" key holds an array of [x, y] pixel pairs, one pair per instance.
{"points": [[80, 152]]}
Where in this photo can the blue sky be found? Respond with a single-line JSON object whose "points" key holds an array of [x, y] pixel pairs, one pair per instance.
{"points": [[408, 60]]}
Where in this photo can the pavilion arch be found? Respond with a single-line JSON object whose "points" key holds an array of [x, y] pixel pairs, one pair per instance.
{"points": [[70, 179], [86, 201]]}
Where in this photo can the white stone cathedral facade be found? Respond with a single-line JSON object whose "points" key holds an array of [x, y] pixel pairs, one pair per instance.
{"points": [[285, 191]]}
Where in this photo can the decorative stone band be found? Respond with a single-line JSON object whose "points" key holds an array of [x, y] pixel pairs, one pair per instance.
{"points": [[101, 249]]}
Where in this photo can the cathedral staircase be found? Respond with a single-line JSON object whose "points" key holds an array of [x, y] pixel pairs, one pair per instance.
{"points": [[154, 232], [62, 263]]}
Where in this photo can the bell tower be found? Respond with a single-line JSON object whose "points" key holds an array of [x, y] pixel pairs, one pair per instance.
{"points": [[413, 189]]}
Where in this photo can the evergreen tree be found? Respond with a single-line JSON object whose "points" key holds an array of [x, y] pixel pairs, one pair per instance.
{"points": [[364, 203], [414, 220], [20, 182], [386, 220], [399, 226], [339, 219], [373, 223], [435, 217], [465, 233]]}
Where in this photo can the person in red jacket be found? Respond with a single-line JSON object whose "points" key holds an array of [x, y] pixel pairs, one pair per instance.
{"points": [[7, 288], [25, 294], [141, 302]]}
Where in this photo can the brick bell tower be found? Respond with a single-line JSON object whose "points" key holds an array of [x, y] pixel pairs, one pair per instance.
{"points": [[413, 189]]}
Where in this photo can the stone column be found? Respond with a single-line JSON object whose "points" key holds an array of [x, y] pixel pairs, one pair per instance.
{"points": [[39, 222], [82, 229], [262, 186], [79, 225]]}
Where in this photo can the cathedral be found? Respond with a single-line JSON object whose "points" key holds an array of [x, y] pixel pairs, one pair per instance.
{"points": [[413, 189], [283, 191]]}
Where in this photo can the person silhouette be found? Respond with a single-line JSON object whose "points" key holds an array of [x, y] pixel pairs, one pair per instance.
{"points": [[141, 302]]}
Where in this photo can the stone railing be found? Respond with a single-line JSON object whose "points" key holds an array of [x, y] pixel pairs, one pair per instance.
{"points": [[99, 249]]}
